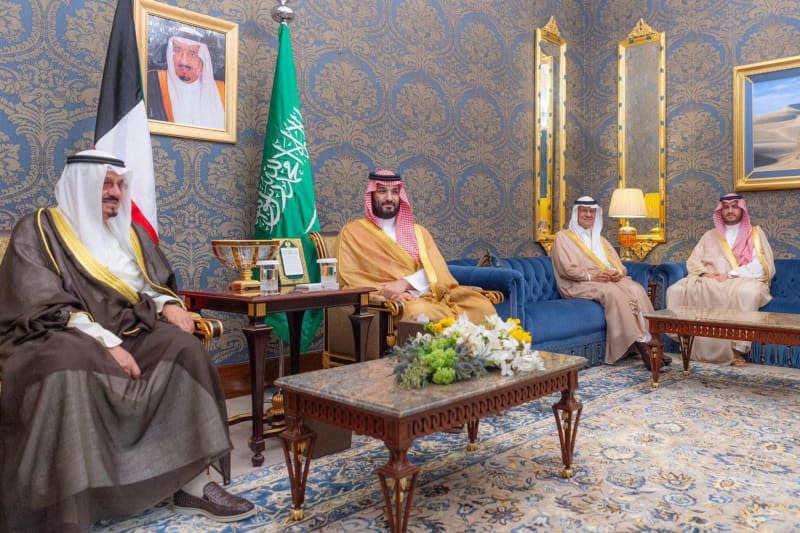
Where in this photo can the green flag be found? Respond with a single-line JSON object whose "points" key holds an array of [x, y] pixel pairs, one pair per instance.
{"points": [[286, 202]]}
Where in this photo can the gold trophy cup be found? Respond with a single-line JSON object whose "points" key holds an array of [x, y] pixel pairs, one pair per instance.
{"points": [[243, 255]]}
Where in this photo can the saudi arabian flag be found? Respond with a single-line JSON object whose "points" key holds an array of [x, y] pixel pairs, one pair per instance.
{"points": [[286, 202]]}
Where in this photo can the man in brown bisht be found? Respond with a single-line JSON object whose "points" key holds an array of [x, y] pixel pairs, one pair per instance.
{"points": [[730, 268], [109, 404], [587, 266], [387, 250]]}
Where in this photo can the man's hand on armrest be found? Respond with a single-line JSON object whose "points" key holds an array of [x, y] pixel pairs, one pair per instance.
{"points": [[124, 358], [397, 290], [174, 314]]}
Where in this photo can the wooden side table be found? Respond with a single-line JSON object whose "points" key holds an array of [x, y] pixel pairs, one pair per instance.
{"points": [[294, 304]]}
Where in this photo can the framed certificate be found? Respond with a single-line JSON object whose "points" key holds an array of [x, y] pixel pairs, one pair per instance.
{"points": [[292, 262]]}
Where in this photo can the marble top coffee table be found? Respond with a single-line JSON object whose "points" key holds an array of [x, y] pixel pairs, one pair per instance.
{"points": [[365, 398], [690, 322]]}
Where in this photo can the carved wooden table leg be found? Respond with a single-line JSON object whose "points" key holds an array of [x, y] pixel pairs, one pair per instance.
{"points": [[686, 351], [294, 321], [257, 340], [472, 433], [567, 425], [398, 480], [656, 354], [298, 445], [360, 320]]}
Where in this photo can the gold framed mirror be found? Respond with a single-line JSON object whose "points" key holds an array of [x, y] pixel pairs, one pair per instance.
{"points": [[549, 135], [642, 130]]}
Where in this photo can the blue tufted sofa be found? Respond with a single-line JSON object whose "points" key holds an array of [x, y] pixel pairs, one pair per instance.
{"points": [[573, 326], [785, 290]]}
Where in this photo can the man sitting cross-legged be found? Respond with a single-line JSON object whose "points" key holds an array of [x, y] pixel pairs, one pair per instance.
{"points": [[587, 266]]}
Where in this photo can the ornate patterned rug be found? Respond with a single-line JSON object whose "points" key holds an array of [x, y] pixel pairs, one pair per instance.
{"points": [[718, 450]]}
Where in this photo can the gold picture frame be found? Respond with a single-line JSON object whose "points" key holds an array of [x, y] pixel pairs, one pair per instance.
{"points": [[766, 102], [215, 97]]}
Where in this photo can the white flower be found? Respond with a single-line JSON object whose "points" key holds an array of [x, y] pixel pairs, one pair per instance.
{"points": [[491, 340]]}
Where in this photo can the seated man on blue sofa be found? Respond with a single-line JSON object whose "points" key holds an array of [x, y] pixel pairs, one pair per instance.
{"points": [[730, 268], [587, 266], [387, 250]]}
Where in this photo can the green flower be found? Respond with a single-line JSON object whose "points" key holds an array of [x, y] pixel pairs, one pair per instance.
{"points": [[444, 375]]}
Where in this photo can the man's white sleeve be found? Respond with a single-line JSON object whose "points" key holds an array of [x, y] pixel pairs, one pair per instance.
{"points": [[754, 269], [82, 322], [419, 281], [160, 299]]}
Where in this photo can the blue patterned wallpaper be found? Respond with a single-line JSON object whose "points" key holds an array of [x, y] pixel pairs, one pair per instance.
{"points": [[439, 90], [705, 40]]}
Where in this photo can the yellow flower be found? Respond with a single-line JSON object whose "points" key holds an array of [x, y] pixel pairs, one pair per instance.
{"points": [[520, 335], [447, 321], [514, 321]]}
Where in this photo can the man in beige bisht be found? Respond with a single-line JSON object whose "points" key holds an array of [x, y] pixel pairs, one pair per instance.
{"points": [[587, 266], [730, 268], [387, 250]]}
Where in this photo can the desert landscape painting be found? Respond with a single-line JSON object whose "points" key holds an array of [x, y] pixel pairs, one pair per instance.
{"points": [[776, 123]]}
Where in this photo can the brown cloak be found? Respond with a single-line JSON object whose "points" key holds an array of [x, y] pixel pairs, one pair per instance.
{"points": [[79, 439]]}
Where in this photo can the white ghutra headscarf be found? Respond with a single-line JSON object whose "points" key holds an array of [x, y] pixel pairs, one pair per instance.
{"points": [[197, 103], [591, 237], [79, 196]]}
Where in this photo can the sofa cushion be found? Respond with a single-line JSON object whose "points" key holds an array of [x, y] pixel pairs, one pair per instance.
{"points": [[786, 282], [782, 305], [540, 282], [563, 319]]}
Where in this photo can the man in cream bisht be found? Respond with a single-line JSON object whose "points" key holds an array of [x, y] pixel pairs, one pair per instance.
{"points": [[109, 405], [186, 92], [587, 266], [730, 268], [388, 251]]}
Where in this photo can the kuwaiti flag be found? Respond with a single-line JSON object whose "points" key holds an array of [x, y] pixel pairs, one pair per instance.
{"points": [[121, 127]]}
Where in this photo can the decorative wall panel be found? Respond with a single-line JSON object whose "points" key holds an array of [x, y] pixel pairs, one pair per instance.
{"points": [[706, 39], [440, 90]]}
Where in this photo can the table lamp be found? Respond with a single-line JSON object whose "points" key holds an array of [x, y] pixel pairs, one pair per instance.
{"points": [[652, 202], [627, 203]]}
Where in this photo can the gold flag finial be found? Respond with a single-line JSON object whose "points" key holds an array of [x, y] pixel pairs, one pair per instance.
{"points": [[552, 27]]}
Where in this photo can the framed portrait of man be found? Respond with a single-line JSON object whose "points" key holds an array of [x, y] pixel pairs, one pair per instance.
{"points": [[189, 64]]}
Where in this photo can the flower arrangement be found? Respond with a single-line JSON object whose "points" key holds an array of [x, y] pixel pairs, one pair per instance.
{"points": [[458, 350]]}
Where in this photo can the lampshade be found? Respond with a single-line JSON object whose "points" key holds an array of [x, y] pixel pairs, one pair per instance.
{"points": [[652, 202], [627, 203]]}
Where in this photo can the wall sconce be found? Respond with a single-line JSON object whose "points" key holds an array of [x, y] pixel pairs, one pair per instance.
{"points": [[652, 202], [627, 203]]}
